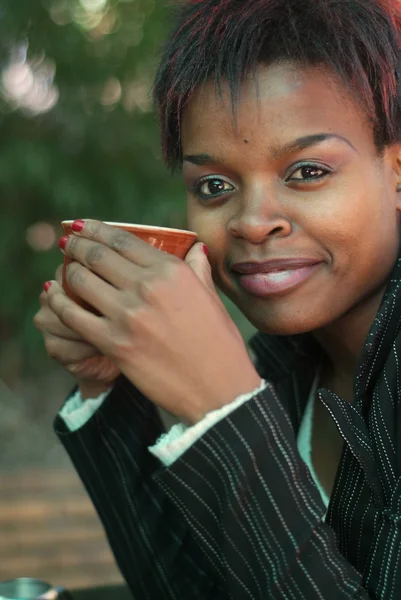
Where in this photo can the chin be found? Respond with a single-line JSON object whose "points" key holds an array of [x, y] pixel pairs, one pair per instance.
{"points": [[286, 316], [283, 329], [284, 324]]}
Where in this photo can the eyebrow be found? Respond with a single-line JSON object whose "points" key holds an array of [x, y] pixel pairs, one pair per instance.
{"points": [[276, 152]]}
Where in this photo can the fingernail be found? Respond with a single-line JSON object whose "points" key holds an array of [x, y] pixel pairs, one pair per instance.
{"points": [[205, 249], [47, 285], [78, 225], [63, 242]]}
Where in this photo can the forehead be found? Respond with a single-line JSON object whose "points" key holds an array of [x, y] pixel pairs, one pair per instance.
{"points": [[282, 101]]}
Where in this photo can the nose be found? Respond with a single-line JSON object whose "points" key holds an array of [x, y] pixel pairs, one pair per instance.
{"points": [[260, 219]]}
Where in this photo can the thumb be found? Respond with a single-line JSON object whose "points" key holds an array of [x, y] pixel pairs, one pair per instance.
{"points": [[197, 260]]}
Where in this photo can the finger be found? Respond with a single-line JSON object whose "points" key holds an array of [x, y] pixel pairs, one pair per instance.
{"points": [[93, 289], [59, 274], [197, 260], [98, 258], [123, 242], [93, 329], [67, 352], [48, 322]]}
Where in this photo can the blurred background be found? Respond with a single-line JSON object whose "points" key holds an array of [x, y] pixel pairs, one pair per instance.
{"points": [[78, 139]]}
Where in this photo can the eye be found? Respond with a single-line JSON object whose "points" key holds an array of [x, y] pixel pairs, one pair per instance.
{"points": [[309, 172], [212, 187]]}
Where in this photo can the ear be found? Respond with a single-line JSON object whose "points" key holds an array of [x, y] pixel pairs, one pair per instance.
{"points": [[396, 162]]}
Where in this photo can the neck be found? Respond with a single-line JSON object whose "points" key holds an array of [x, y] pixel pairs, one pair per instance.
{"points": [[343, 340]]}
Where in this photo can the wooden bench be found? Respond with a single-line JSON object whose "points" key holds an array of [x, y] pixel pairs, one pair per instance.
{"points": [[50, 530]]}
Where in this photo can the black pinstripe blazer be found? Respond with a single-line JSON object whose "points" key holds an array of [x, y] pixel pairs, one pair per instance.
{"points": [[238, 515]]}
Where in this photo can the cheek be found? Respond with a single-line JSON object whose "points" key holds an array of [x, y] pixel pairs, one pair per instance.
{"points": [[211, 230], [361, 236], [349, 218]]}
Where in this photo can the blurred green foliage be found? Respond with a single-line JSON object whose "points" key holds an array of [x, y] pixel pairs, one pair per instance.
{"points": [[78, 139]]}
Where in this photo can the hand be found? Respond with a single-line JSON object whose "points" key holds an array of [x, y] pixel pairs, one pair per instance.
{"points": [[162, 323], [94, 372]]}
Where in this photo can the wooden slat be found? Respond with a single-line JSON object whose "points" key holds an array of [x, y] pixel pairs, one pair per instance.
{"points": [[39, 479], [60, 556], [16, 537], [43, 509]]}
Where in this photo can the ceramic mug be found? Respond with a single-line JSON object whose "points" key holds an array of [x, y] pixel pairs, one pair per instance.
{"points": [[173, 241]]}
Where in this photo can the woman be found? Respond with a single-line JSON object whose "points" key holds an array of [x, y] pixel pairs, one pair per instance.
{"points": [[283, 479]]}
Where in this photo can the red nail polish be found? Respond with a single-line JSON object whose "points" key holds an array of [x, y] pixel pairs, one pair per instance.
{"points": [[63, 242], [47, 285], [78, 225], [205, 249]]}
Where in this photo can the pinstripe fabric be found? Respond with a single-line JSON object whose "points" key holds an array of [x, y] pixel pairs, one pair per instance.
{"points": [[238, 515]]}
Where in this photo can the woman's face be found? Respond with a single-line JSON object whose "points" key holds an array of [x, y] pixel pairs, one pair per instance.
{"points": [[297, 179]]}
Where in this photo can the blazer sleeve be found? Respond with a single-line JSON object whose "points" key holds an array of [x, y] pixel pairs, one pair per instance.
{"points": [[250, 503], [153, 546]]}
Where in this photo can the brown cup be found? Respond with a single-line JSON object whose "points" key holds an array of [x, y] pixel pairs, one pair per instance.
{"points": [[173, 241]]}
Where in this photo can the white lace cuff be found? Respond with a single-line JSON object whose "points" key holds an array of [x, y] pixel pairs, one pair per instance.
{"points": [[173, 444], [76, 411]]}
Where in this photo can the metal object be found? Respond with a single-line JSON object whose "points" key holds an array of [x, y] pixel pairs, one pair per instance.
{"points": [[26, 588]]}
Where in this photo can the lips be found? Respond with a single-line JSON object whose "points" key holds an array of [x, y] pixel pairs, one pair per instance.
{"points": [[275, 264], [275, 276]]}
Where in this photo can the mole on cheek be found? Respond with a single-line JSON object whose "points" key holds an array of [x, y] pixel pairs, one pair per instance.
{"points": [[246, 141]]}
